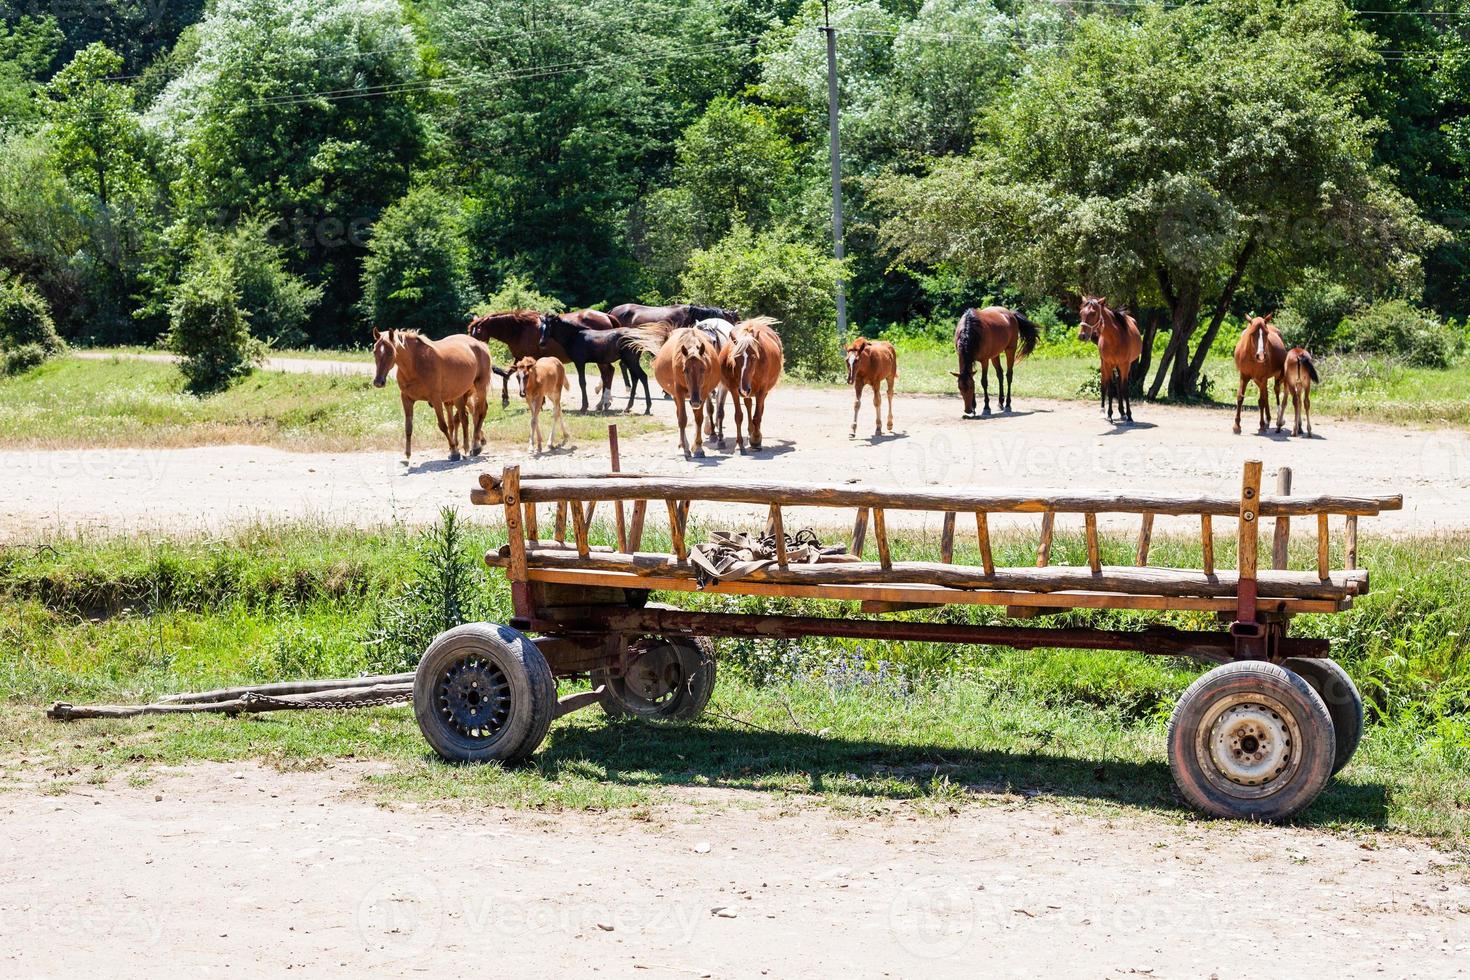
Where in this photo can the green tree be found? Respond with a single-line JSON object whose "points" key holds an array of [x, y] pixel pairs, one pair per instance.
{"points": [[417, 270], [773, 275], [1174, 159], [28, 47], [208, 329], [27, 333]]}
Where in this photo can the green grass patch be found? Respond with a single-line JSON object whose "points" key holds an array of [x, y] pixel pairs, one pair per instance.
{"points": [[70, 402], [849, 722]]}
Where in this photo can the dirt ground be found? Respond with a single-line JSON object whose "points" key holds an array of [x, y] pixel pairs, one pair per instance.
{"points": [[220, 870], [1044, 444]]}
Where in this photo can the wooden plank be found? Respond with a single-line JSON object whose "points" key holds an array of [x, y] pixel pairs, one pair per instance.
{"points": [[1281, 534], [1065, 501], [1207, 543], [635, 529], [859, 531], [932, 595], [580, 528], [1125, 579], [778, 532], [561, 521], [880, 535], [1094, 555], [1249, 523], [677, 515], [1145, 539], [511, 494], [1352, 541], [1043, 552], [1323, 542], [946, 539], [882, 606], [530, 520], [982, 533]]}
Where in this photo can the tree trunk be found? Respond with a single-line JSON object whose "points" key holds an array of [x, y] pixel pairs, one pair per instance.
{"points": [[1222, 306], [1145, 360], [1183, 321]]}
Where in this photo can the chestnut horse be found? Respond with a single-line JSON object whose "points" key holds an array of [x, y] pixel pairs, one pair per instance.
{"points": [[717, 329], [1119, 344], [543, 379], [750, 367], [870, 362], [520, 330], [685, 364], [1260, 357], [452, 374], [984, 335], [1299, 373]]}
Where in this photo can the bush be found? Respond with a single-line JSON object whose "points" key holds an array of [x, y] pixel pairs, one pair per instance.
{"points": [[276, 301], [519, 294], [27, 333], [207, 327], [1399, 329], [1311, 314], [416, 274], [774, 275]]}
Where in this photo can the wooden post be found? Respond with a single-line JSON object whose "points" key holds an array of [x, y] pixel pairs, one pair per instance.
{"points": [[530, 511], [561, 522], [880, 534], [1043, 553], [1145, 538], [982, 533], [635, 531], [1248, 541], [612, 446], [859, 531], [579, 528], [1207, 542], [677, 514], [1281, 537], [510, 488], [778, 531], [1094, 555], [946, 539], [1323, 570], [1352, 541]]}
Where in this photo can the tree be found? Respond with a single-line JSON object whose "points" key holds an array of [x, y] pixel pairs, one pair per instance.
{"points": [[208, 329], [416, 274], [774, 275], [27, 333], [1176, 159], [28, 47]]}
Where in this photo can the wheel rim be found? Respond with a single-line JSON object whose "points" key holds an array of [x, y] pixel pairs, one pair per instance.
{"points": [[1248, 745], [473, 698], [652, 681]]}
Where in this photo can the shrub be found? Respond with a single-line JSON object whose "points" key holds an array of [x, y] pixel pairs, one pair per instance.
{"points": [[1311, 314], [276, 301], [416, 274], [1399, 329], [27, 333], [774, 275], [207, 327], [517, 293]]}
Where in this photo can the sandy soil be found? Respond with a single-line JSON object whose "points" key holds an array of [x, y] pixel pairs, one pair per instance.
{"points": [[1044, 444], [240, 870]]}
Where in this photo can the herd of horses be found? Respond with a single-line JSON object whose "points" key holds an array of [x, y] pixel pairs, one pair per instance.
{"points": [[704, 356]]}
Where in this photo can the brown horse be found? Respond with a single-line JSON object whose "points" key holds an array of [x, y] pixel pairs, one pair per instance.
{"points": [[679, 315], [1119, 344], [452, 374], [984, 335], [1260, 357], [520, 330], [685, 364], [871, 362], [1299, 373], [750, 367], [543, 379]]}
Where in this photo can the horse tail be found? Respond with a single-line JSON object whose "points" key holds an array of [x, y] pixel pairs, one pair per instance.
{"points": [[1311, 367], [647, 338], [1030, 334]]}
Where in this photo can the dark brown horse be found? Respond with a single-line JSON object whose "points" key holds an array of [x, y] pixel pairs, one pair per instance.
{"points": [[984, 335], [680, 315], [520, 330], [1119, 344], [595, 345]]}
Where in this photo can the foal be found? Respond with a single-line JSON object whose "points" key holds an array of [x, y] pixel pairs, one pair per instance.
{"points": [[543, 379], [870, 362], [1300, 373]]}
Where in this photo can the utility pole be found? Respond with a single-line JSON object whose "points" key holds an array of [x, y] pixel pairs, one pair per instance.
{"points": [[836, 147]]}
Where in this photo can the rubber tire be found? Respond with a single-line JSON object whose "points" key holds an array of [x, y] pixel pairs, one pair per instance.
{"points": [[697, 662], [532, 693], [1316, 747], [1344, 703]]}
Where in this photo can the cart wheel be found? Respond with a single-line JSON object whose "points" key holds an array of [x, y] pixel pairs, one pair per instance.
{"points": [[1251, 739], [483, 693], [1344, 703], [672, 678]]}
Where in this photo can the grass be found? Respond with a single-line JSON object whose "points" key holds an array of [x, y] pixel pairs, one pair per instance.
{"points": [[853, 724], [136, 403]]}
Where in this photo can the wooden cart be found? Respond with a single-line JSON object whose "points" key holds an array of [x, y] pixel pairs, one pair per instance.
{"points": [[1256, 737]]}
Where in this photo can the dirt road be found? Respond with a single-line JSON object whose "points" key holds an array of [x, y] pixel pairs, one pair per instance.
{"points": [[241, 870], [1044, 444]]}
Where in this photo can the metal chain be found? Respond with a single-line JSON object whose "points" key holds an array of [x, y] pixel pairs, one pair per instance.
{"points": [[380, 701]]}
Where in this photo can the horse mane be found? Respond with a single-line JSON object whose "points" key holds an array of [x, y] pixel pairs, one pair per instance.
{"points": [[859, 343]]}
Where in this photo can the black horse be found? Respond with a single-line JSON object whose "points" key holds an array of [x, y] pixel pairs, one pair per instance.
{"points": [[601, 347]]}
